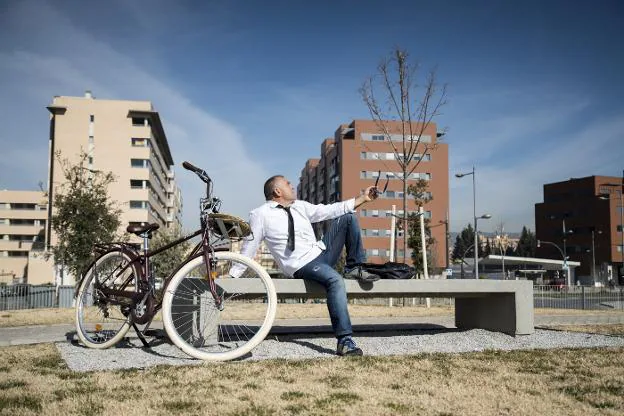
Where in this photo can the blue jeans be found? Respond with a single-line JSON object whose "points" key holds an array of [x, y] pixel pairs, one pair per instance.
{"points": [[343, 232]]}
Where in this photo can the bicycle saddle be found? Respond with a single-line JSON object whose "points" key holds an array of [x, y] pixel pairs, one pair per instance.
{"points": [[140, 229]]}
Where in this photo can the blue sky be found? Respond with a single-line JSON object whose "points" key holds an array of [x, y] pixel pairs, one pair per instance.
{"points": [[250, 89]]}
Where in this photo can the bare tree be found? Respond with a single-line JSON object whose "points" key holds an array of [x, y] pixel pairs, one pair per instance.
{"points": [[414, 106]]}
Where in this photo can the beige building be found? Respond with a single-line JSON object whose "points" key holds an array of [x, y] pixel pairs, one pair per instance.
{"points": [[23, 216], [123, 137]]}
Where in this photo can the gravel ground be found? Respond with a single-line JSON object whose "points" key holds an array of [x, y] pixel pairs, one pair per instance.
{"points": [[130, 354]]}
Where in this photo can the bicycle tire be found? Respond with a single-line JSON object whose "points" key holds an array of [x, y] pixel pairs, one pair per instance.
{"points": [[198, 327], [100, 323]]}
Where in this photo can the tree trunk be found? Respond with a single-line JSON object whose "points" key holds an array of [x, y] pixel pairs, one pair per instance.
{"points": [[405, 224]]}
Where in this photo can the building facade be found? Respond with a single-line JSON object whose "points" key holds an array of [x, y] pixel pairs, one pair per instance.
{"points": [[23, 217], [358, 154], [581, 218], [123, 137]]}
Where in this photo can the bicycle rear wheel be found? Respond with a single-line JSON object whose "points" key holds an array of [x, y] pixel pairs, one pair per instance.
{"points": [[101, 320], [207, 331]]}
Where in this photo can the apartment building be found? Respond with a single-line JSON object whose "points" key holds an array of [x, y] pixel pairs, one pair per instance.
{"points": [[23, 216], [123, 137], [582, 218], [119, 136], [352, 161]]}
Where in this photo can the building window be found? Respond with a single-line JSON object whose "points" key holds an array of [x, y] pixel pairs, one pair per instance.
{"points": [[138, 204], [139, 121], [136, 184], [139, 142], [28, 207], [140, 163]]}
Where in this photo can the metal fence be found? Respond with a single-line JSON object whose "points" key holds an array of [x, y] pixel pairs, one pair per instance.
{"points": [[558, 297], [578, 297], [14, 297]]}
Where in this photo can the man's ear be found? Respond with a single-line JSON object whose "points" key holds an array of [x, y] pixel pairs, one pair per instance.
{"points": [[276, 193]]}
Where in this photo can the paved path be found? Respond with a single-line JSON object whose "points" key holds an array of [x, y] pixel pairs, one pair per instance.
{"points": [[64, 332]]}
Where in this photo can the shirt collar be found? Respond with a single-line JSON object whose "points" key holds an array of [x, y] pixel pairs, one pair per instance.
{"points": [[274, 204]]}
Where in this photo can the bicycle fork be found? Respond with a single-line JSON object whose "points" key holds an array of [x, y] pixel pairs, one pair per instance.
{"points": [[211, 264]]}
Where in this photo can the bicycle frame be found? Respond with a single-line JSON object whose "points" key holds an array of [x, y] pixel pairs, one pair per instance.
{"points": [[140, 260]]}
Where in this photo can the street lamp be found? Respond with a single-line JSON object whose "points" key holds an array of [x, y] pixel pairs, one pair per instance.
{"points": [[482, 217], [503, 243], [564, 253], [474, 213], [593, 268], [565, 258]]}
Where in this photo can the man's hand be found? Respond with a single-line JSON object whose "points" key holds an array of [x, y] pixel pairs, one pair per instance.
{"points": [[371, 193]]}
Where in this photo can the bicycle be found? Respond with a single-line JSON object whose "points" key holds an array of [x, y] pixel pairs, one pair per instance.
{"points": [[118, 290]]}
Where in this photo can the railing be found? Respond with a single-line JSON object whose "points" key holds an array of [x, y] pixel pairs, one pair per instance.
{"points": [[578, 297], [13, 297]]}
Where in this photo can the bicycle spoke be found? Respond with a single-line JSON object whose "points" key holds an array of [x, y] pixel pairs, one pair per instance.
{"points": [[198, 325]]}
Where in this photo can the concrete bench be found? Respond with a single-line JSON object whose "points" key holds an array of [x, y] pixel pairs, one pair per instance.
{"points": [[496, 305]]}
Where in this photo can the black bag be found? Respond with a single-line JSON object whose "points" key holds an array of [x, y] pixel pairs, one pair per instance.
{"points": [[390, 270]]}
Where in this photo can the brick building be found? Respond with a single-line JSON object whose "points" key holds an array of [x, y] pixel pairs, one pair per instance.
{"points": [[583, 218], [354, 158]]}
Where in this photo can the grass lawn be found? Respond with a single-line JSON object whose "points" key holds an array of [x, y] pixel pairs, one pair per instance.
{"points": [[34, 380]]}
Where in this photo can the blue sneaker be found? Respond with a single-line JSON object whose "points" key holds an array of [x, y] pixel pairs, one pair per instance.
{"points": [[346, 347]]}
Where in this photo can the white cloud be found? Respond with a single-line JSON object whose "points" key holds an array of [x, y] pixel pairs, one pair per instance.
{"points": [[64, 60], [509, 191]]}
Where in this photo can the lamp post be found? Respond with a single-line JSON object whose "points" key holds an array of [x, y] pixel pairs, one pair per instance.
{"points": [[474, 213], [482, 217], [564, 253], [593, 268], [503, 243], [565, 259], [446, 237]]}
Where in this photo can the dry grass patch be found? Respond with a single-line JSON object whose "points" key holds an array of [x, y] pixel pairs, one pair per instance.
{"points": [[284, 311], [577, 312], [570, 382], [610, 329]]}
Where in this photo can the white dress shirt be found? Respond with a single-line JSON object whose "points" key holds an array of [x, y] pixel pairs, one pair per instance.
{"points": [[270, 223]]}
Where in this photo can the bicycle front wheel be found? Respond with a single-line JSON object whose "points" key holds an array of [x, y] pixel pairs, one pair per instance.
{"points": [[101, 320], [206, 330]]}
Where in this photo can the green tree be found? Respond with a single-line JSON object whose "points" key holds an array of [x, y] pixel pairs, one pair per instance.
{"points": [[488, 248], [527, 244], [166, 262], [418, 190], [415, 242], [396, 95], [464, 244], [84, 215]]}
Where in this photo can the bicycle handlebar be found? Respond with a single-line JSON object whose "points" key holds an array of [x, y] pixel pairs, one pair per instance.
{"points": [[199, 172]]}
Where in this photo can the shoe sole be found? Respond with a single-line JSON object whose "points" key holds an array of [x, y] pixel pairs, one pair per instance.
{"points": [[354, 353]]}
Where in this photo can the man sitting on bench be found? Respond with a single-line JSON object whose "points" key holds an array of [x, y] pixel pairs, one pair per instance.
{"points": [[285, 224]]}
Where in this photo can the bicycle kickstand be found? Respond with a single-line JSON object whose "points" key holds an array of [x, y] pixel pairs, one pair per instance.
{"points": [[140, 335]]}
